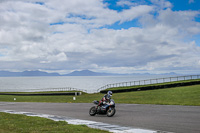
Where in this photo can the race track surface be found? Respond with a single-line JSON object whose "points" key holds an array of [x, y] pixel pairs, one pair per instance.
{"points": [[171, 118]]}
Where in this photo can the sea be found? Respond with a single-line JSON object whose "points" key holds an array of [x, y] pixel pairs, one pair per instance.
{"points": [[89, 84]]}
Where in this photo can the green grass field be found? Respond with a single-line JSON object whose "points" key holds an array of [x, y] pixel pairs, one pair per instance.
{"points": [[15, 123], [187, 95]]}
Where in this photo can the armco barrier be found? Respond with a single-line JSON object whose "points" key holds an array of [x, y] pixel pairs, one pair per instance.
{"points": [[58, 89], [42, 94], [153, 87]]}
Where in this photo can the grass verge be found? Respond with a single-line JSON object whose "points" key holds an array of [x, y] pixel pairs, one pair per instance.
{"points": [[15, 123], [187, 95]]}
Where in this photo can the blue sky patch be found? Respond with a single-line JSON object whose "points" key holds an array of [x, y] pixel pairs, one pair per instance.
{"points": [[177, 5], [40, 3], [197, 39], [58, 32], [181, 5], [197, 19], [112, 4], [57, 23], [1, 55], [125, 25], [80, 16]]}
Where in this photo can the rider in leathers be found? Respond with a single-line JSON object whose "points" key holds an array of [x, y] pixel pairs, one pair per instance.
{"points": [[106, 98]]}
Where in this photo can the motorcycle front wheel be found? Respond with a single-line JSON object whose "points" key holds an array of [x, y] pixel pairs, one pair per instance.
{"points": [[111, 112], [92, 111]]}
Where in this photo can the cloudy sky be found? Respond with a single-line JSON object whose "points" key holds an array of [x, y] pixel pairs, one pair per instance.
{"points": [[116, 36]]}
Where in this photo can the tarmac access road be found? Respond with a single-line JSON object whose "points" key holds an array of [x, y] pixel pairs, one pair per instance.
{"points": [[171, 118]]}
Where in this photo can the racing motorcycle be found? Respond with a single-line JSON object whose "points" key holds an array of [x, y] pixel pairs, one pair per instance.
{"points": [[108, 108]]}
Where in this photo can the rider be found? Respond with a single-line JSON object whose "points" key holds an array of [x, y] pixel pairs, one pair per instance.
{"points": [[106, 98]]}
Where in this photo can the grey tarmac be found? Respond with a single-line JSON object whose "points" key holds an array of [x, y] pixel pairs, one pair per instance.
{"points": [[170, 118]]}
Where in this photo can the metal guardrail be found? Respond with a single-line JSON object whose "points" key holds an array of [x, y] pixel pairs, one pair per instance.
{"points": [[60, 89], [149, 81]]}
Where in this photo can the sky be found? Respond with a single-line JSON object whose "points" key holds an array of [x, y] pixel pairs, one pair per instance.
{"points": [[113, 36]]}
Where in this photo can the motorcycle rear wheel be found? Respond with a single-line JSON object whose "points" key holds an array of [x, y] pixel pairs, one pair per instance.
{"points": [[111, 112], [92, 111]]}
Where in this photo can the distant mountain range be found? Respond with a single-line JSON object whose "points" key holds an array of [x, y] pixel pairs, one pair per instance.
{"points": [[74, 73], [87, 73], [26, 73]]}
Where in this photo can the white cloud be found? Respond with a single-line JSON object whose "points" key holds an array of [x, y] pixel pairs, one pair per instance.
{"points": [[135, 12], [161, 4], [183, 20], [126, 3], [191, 1], [70, 35]]}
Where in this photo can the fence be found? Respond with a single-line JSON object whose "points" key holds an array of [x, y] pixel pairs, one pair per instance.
{"points": [[60, 89], [149, 81]]}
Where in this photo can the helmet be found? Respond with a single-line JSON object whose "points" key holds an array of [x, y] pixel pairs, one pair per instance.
{"points": [[109, 93]]}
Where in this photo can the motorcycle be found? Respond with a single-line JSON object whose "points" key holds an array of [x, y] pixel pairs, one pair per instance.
{"points": [[108, 108]]}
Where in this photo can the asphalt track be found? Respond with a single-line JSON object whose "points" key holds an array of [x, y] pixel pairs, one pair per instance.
{"points": [[171, 118]]}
